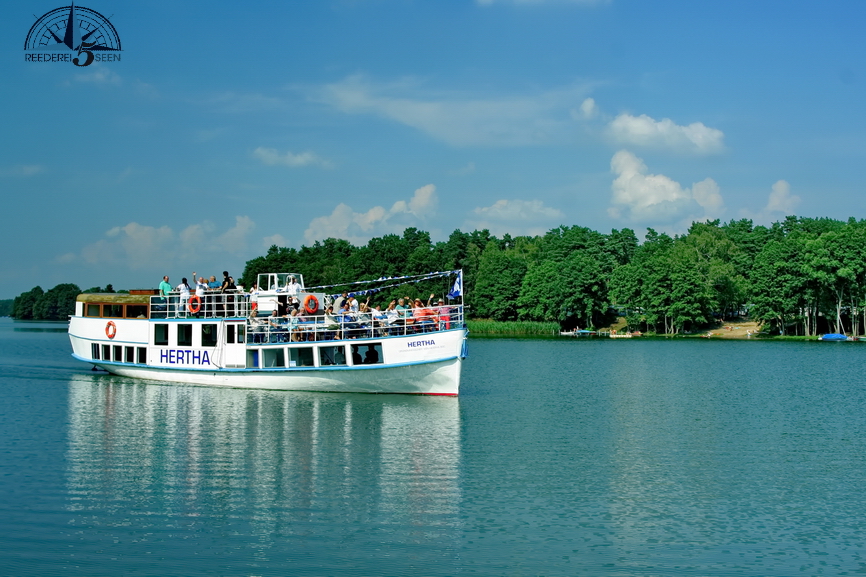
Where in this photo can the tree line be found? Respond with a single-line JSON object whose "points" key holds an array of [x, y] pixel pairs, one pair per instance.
{"points": [[799, 276], [56, 304]]}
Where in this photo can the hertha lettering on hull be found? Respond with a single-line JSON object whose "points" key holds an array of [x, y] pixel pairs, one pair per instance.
{"points": [[72, 34]]}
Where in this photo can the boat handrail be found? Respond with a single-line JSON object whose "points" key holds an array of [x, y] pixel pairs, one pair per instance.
{"points": [[214, 304], [280, 329]]}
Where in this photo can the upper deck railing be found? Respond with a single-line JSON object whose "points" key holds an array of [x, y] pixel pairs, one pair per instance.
{"points": [[213, 305], [301, 327], [371, 324]]}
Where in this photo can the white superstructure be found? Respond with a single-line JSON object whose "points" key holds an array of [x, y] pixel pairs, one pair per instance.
{"points": [[224, 339]]}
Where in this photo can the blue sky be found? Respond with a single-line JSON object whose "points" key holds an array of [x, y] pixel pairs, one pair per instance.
{"points": [[227, 127]]}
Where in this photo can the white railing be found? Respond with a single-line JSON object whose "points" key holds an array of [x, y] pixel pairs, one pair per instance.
{"points": [[212, 305], [276, 329]]}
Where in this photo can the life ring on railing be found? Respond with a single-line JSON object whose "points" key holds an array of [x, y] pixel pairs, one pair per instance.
{"points": [[110, 329], [311, 304], [197, 300]]}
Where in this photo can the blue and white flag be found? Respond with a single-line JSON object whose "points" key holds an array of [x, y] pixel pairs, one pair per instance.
{"points": [[457, 289]]}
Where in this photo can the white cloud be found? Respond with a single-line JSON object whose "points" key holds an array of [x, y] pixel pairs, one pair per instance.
{"points": [[274, 239], [271, 157], [457, 120], [638, 196], [588, 110], [138, 246], [781, 200], [359, 227], [645, 131], [515, 217]]}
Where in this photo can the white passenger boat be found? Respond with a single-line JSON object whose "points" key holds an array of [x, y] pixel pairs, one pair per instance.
{"points": [[226, 340]]}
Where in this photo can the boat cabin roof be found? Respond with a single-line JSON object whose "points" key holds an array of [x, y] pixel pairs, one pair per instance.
{"points": [[113, 298]]}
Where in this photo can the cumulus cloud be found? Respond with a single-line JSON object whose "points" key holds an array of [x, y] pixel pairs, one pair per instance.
{"points": [[139, 246], [516, 217], [639, 196], [781, 200], [457, 120], [779, 203], [271, 157], [642, 130], [358, 227]]}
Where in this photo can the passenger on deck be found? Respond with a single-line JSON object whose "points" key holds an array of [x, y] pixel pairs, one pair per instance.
{"points": [[293, 287], [401, 308], [276, 326], [164, 287], [332, 324], [254, 299], [338, 302], [183, 288], [227, 288]]}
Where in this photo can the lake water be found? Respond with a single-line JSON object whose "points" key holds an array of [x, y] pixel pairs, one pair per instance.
{"points": [[560, 457]]}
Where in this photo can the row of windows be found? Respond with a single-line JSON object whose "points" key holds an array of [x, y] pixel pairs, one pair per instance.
{"points": [[115, 311], [330, 355], [235, 333], [118, 353]]}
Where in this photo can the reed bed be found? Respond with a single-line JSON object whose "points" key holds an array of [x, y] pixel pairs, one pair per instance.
{"points": [[486, 327]]}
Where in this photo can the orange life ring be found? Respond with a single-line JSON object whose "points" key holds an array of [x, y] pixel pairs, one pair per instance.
{"points": [[110, 329], [197, 300], [311, 304]]}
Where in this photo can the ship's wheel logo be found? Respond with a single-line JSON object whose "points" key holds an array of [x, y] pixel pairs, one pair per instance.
{"points": [[72, 34]]}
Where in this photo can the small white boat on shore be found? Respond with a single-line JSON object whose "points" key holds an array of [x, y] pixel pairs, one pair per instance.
{"points": [[221, 339]]}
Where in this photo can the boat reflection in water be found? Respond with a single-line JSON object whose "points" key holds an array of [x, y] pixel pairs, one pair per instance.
{"points": [[265, 465]]}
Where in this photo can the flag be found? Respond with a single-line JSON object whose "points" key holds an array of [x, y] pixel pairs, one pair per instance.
{"points": [[457, 289]]}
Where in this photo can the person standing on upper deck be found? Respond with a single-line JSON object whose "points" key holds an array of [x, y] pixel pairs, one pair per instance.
{"points": [[164, 287], [293, 287], [184, 289]]}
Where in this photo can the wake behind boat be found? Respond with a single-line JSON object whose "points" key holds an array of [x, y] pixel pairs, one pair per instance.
{"points": [[254, 340]]}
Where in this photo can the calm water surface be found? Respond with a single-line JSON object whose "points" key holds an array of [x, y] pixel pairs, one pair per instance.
{"points": [[559, 458]]}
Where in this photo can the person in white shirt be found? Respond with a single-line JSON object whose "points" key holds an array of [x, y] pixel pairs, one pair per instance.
{"points": [[183, 289]]}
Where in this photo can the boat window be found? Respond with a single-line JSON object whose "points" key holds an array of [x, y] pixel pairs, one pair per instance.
{"points": [[106, 352], [301, 357], [142, 355], [92, 311], [332, 356], [208, 335], [113, 311], [367, 354], [230, 334], [184, 335], [241, 331], [253, 359], [130, 354], [274, 358], [160, 334], [118, 353], [136, 311], [94, 351]]}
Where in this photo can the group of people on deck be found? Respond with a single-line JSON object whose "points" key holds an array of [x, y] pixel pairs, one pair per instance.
{"points": [[348, 318], [203, 288]]}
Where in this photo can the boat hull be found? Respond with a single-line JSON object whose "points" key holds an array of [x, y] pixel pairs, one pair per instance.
{"points": [[427, 378]]}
